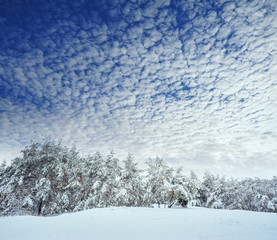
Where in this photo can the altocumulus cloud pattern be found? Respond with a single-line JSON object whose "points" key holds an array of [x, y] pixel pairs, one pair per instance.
{"points": [[193, 82]]}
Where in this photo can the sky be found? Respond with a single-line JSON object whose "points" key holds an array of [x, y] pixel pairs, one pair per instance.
{"points": [[190, 81]]}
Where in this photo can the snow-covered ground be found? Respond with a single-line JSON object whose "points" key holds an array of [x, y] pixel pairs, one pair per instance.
{"points": [[143, 223]]}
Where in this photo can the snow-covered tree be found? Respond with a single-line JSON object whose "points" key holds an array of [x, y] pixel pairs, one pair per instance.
{"points": [[3, 168], [131, 184], [93, 172], [158, 181], [109, 182], [34, 179], [50, 178], [211, 188], [180, 190]]}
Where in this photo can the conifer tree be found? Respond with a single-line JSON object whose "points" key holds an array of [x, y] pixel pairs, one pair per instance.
{"points": [[93, 172], [159, 177], [132, 187], [50, 178], [110, 185]]}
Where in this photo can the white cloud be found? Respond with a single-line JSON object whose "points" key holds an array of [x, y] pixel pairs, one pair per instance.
{"points": [[198, 91]]}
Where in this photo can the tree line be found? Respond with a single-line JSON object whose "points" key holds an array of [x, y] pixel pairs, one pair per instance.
{"points": [[50, 178]]}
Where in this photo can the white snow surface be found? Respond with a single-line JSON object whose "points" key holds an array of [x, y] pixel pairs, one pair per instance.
{"points": [[143, 223]]}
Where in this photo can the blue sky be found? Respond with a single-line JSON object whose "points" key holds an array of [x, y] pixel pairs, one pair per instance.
{"points": [[193, 82]]}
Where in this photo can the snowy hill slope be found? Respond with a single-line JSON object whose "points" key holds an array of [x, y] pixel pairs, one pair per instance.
{"points": [[143, 223]]}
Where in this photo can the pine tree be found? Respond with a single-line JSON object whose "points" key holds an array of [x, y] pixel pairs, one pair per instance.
{"points": [[32, 181], [194, 189], [3, 168], [50, 178], [93, 172], [132, 188], [110, 185], [158, 186]]}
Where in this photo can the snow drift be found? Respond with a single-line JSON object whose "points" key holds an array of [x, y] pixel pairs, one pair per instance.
{"points": [[143, 223]]}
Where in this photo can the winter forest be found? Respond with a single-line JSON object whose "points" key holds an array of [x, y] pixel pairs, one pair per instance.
{"points": [[50, 179]]}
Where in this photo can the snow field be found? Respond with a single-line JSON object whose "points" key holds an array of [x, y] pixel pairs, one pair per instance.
{"points": [[143, 223]]}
